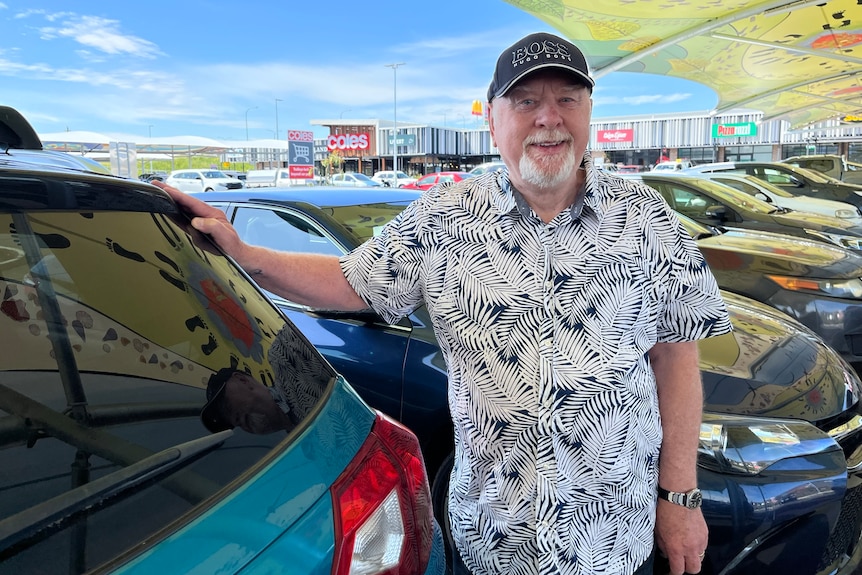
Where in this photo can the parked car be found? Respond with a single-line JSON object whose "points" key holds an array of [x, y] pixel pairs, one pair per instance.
{"points": [[487, 167], [194, 180], [832, 165], [235, 174], [115, 315], [795, 180], [817, 284], [716, 204], [780, 458], [672, 166], [393, 179], [431, 180], [267, 178], [354, 179], [765, 191]]}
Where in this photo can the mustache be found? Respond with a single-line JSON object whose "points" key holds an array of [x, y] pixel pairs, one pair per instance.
{"points": [[546, 136]]}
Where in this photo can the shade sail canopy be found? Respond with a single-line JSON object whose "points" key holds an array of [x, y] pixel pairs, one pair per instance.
{"points": [[794, 60], [86, 142]]}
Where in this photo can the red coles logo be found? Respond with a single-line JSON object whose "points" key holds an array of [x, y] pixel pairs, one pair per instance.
{"points": [[347, 142]]}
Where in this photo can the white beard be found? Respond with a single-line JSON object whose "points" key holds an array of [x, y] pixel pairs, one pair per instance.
{"points": [[543, 175]]}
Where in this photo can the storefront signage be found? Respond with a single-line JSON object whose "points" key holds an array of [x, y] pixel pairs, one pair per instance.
{"points": [[404, 140], [348, 142], [734, 130], [613, 136]]}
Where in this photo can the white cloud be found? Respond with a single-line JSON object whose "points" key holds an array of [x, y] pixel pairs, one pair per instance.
{"points": [[101, 34]]}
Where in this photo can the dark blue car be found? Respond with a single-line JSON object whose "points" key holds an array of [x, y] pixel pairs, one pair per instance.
{"points": [[780, 459]]}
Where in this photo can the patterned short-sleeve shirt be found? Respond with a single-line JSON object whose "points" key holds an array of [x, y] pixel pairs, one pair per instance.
{"points": [[545, 328]]}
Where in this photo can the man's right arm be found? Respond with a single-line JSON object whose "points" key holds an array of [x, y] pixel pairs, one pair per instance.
{"points": [[310, 279]]}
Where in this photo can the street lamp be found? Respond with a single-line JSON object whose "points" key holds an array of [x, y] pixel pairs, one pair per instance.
{"points": [[277, 100], [394, 113], [150, 130], [246, 121], [341, 115]]}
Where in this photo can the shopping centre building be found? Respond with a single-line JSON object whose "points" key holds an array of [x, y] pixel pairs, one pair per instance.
{"points": [[367, 145]]}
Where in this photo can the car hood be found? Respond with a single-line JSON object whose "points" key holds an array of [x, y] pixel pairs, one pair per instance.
{"points": [[773, 366], [779, 254], [817, 222]]}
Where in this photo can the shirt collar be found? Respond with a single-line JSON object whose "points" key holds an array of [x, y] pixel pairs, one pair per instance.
{"points": [[511, 199]]}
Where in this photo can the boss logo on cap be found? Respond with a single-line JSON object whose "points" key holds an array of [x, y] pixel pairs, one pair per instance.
{"points": [[535, 50]]}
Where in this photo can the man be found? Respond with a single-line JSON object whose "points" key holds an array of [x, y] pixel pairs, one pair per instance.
{"points": [[567, 303], [236, 399]]}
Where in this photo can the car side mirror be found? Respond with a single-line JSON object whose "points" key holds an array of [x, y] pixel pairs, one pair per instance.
{"points": [[763, 197], [797, 182], [717, 212]]}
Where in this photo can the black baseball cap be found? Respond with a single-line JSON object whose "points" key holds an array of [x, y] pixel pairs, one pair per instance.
{"points": [[540, 51], [211, 414]]}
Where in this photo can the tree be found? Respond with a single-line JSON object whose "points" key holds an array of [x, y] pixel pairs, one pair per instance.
{"points": [[332, 162]]}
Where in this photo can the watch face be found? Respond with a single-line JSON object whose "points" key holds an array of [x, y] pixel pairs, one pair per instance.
{"points": [[695, 498]]}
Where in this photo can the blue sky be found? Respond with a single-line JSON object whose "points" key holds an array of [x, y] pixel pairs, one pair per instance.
{"points": [[201, 67]]}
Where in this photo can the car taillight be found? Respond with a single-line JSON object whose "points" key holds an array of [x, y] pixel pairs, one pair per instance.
{"points": [[382, 502]]}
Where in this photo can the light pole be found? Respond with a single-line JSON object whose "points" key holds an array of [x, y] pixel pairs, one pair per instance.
{"points": [[246, 121], [150, 130], [277, 100], [341, 115], [394, 113]]}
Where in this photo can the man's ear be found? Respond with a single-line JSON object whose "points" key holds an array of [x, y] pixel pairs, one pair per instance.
{"points": [[489, 107]]}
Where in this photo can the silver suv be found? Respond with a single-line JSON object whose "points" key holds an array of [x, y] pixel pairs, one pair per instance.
{"points": [[202, 181]]}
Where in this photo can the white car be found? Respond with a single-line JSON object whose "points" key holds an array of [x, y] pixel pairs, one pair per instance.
{"points": [[202, 181], [756, 187], [354, 179], [672, 166], [389, 177]]}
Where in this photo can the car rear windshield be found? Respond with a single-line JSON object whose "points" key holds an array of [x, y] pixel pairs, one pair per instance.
{"points": [[115, 314]]}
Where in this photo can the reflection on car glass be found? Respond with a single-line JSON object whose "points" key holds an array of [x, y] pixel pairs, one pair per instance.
{"points": [[237, 399], [51, 513]]}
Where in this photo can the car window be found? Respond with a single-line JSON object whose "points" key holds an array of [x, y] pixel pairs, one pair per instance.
{"points": [[774, 176], [280, 230], [111, 324], [427, 180]]}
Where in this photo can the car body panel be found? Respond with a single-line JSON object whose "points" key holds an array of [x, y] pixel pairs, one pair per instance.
{"points": [[769, 366]]}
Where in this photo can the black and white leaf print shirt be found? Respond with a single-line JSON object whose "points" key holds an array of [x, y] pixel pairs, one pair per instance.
{"points": [[545, 329]]}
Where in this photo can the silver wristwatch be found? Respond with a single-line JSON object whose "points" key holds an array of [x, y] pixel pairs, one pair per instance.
{"points": [[691, 499]]}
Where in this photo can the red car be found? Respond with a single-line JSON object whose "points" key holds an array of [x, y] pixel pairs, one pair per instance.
{"points": [[431, 180]]}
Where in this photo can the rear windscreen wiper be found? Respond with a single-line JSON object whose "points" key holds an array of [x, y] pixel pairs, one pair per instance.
{"points": [[53, 512]]}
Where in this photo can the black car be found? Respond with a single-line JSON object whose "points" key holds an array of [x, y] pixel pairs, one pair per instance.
{"points": [[117, 319], [780, 456], [716, 204], [798, 181]]}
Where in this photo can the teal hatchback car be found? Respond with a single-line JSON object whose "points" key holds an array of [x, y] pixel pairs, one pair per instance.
{"points": [[158, 414]]}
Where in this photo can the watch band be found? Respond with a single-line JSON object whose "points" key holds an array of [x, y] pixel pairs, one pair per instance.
{"points": [[691, 499]]}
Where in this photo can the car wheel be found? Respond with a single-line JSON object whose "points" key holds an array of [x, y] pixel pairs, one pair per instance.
{"points": [[440, 502], [208, 190]]}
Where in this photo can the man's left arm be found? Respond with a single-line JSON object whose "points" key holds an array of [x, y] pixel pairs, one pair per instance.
{"points": [[681, 533]]}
